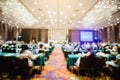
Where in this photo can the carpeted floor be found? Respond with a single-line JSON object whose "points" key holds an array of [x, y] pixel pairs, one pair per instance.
{"points": [[55, 69]]}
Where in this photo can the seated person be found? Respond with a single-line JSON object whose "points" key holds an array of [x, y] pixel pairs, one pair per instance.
{"points": [[114, 63], [88, 54], [114, 50], [41, 48], [69, 47], [26, 53], [102, 54], [35, 50], [113, 67], [94, 46]]}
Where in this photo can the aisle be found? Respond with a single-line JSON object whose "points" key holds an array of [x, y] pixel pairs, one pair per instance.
{"points": [[55, 68]]}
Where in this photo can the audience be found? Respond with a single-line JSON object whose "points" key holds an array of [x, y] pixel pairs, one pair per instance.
{"points": [[41, 48], [89, 53], [114, 63], [26, 53], [85, 50], [69, 47], [114, 50], [35, 50]]}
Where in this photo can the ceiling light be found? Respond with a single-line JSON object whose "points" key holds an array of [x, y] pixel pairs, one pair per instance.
{"points": [[115, 24], [79, 21], [33, 9], [14, 10], [110, 16], [69, 6], [108, 22], [61, 12], [111, 24], [108, 1], [49, 12], [51, 20], [70, 21], [2, 21], [61, 20], [104, 6], [50, 16], [46, 20], [17, 27], [98, 13], [118, 19], [105, 26], [96, 6], [109, 19], [74, 15], [83, 11], [81, 4], [102, 27], [47, 6], [35, 3], [66, 17], [10, 21], [107, 7], [91, 11], [55, 20], [113, 2], [118, 7], [38, 17]]}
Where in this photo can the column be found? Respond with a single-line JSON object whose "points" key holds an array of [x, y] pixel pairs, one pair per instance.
{"points": [[108, 34], [119, 33], [6, 31]]}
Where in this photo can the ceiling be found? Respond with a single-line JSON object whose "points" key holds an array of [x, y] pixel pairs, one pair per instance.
{"points": [[72, 14]]}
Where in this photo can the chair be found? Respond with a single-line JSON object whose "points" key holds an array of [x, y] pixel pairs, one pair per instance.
{"points": [[115, 72], [84, 65], [66, 53], [41, 51], [7, 64], [98, 65], [22, 68]]}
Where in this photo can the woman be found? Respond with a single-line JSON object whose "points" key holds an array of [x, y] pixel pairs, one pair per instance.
{"points": [[114, 63], [114, 50], [89, 54], [26, 53], [41, 49]]}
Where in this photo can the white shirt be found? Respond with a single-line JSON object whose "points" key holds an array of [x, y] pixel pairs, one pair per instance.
{"points": [[28, 54], [78, 62]]}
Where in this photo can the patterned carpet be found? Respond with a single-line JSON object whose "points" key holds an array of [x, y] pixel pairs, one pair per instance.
{"points": [[55, 68]]}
